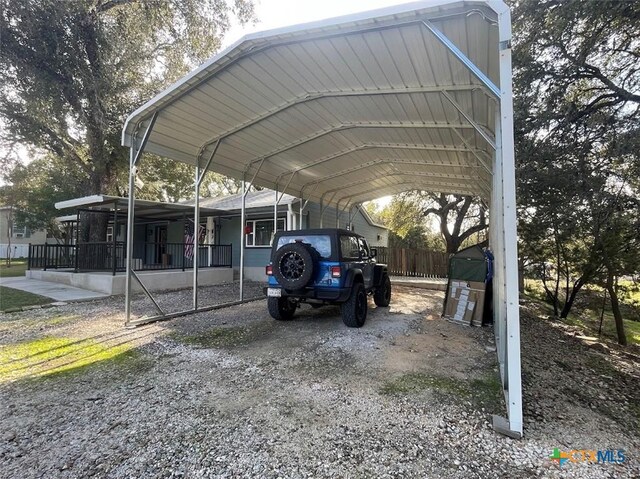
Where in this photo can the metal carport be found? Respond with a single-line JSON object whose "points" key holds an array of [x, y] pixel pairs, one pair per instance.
{"points": [[345, 110]]}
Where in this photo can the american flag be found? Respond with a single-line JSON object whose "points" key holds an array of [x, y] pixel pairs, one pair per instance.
{"points": [[188, 238]]}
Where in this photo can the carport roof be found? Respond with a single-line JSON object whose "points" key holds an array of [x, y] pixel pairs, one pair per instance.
{"points": [[343, 110]]}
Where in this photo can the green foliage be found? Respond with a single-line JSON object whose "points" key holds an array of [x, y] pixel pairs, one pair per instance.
{"points": [[36, 187], [73, 69], [407, 224], [576, 79]]}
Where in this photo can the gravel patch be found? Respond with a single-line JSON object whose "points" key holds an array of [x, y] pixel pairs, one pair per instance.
{"points": [[232, 393]]}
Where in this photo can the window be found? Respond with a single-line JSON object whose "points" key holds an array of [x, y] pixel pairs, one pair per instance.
{"points": [[260, 232], [364, 248], [110, 234], [21, 232], [349, 247], [321, 243]]}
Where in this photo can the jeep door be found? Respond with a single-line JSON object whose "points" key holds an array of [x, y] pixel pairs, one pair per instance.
{"points": [[368, 263]]}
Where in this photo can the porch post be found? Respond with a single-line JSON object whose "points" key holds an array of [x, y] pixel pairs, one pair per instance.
{"points": [[242, 238], [184, 246], [210, 234], [77, 246], [196, 237], [115, 238]]}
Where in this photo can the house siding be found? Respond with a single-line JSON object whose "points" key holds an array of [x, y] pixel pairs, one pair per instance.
{"points": [[375, 235], [256, 258]]}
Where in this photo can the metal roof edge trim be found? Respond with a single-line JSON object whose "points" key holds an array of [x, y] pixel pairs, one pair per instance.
{"points": [[82, 201]]}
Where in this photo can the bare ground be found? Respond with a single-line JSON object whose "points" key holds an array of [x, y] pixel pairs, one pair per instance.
{"points": [[232, 393]]}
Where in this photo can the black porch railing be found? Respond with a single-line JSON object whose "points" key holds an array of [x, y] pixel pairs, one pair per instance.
{"points": [[51, 256], [109, 256]]}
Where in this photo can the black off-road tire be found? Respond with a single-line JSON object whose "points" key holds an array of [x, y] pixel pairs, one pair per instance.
{"points": [[354, 310], [293, 265], [281, 309], [382, 294]]}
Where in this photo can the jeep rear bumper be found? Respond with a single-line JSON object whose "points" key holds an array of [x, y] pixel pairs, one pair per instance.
{"points": [[337, 295]]}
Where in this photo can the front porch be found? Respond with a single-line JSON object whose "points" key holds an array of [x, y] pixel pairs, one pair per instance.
{"points": [[110, 257], [154, 280]]}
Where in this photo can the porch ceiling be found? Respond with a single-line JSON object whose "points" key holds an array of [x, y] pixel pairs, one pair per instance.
{"points": [[143, 208], [346, 109]]}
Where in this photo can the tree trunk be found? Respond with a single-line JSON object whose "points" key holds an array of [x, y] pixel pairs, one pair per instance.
{"points": [[577, 286], [521, 275], [615, 308]]}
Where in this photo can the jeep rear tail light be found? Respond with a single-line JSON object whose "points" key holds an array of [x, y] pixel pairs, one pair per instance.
{"points": [[336, 272], [269, 270]]}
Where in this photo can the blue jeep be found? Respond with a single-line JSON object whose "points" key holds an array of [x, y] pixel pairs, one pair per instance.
{"points": [[325, 266]]}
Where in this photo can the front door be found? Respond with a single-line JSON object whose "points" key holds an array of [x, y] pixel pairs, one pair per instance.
{"points": [[160, 242]]}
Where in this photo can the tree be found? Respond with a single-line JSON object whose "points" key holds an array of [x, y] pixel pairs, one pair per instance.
{"points": [[33, 190], [73, 69], [459, 218], [576, 78], [407, 225]]}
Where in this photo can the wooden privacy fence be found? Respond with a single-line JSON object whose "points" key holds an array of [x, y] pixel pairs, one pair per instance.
{"points": [[414, 262]]}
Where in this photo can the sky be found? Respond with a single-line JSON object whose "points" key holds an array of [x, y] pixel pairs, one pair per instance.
{"points": [[282, 13]]}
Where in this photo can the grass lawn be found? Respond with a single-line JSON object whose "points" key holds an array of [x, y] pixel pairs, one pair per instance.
{"points": [[587, 309], [18, 267], [51, 355], [590, 320], [14, 298]]}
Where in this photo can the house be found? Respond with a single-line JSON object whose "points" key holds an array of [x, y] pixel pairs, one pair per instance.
{"points": [[14, 237], [163, 239], [259, 225]]}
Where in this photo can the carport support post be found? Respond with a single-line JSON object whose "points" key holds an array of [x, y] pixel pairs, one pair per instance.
{"points": [[507, 242], [130, 227], [196, 236], [275, 212], [135, 153], [242, 238]]}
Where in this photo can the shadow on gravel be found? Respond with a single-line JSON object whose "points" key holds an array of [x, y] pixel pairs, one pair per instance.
{"points": [[567, 383]]}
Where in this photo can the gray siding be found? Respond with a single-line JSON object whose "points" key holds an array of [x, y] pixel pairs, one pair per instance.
{"points": [[230, 234], [259, 256], [375, 235]]}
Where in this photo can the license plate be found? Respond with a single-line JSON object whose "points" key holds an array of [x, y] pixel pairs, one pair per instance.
{"points": [[274, 292]]}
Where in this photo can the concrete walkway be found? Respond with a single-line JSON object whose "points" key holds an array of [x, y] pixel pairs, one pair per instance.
{"points": [[439, 284], [55, 291]]}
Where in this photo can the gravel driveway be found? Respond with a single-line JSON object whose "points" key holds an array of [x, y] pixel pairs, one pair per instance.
{"points": [[232, 393]]}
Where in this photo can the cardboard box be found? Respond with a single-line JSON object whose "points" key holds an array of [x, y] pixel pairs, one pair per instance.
{"points": [[465, 303], [479, 288]]}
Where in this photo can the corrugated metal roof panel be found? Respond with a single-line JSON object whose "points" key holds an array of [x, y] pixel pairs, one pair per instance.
{"points": [[297, 105]]}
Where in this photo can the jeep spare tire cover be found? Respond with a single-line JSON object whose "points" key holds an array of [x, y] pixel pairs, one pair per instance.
{"points": [[293, 265]]}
